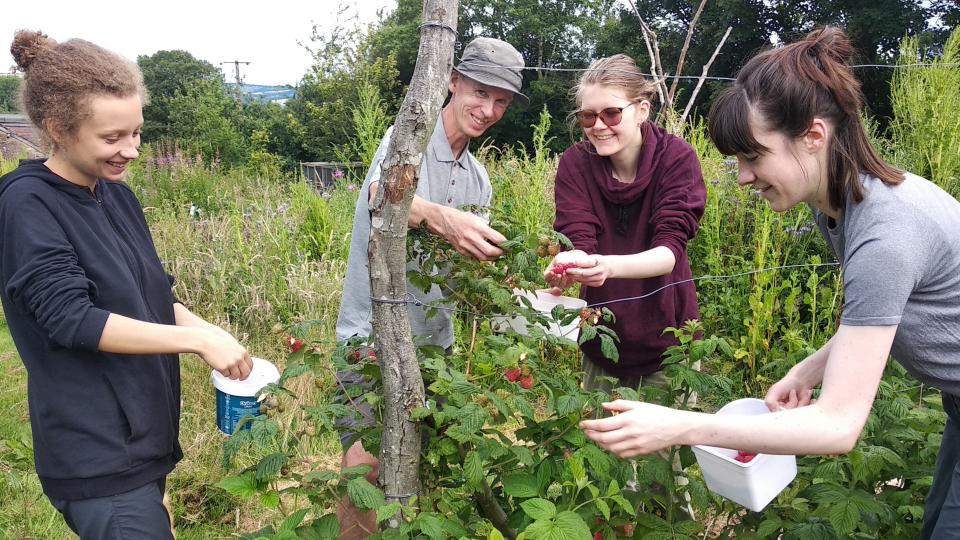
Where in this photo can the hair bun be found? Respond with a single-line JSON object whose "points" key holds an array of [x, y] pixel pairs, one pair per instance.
{"points": [[28, 45], [830, 42]]}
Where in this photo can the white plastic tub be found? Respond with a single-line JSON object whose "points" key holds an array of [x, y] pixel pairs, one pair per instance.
{"points": [[753, 484], [543, 302], [238, 399]]}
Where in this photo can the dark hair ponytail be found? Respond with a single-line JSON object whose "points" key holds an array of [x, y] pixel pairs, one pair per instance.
{"points": [[789, 87]]}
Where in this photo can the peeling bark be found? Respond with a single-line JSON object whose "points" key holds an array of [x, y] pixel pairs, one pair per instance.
{"points": [[402, 382]]}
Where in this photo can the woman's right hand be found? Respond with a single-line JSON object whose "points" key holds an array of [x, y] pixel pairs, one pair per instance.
{"points": [[224, 353], [573, 258], [789, 393]]}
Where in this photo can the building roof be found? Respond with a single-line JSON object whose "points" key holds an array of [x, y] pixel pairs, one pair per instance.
{"points": [[17, 135]]}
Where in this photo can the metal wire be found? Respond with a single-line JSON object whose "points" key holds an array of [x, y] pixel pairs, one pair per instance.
{"points": [[412, 300]]}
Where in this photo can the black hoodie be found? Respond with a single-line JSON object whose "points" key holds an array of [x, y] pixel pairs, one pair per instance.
{"points": [[102, 423]]}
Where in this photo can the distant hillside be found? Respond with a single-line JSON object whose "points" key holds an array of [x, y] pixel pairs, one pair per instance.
{"points": [[261, 92]]}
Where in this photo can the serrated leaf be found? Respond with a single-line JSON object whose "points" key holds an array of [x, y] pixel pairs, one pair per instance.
{"points": [[539, 508], [844, 516], [586, 334], [768, 527], [431, 526], [270, 465], [270, 499], [687, 528], [262, 431], [652, 522], [608, 348], [324, 528], [566, 526], [521, 485], [473, 469], [603, 507], [294, 520], [364, 495], [386, 512], [244, 486]]}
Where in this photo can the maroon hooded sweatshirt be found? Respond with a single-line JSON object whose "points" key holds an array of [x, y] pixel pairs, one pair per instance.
{"points": [[661, 207]]}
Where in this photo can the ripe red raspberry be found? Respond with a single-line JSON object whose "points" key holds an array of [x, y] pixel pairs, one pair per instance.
{"points": [[744, 457], [526, 382], [294, 344], [598, 535], [513, 374], [561, 268]]}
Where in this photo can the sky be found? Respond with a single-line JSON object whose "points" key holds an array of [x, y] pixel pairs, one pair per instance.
{"points": [[265, 33]]}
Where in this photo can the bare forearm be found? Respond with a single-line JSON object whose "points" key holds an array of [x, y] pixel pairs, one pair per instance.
{"points": [[130, 336], [658, 261], [809, 430]]}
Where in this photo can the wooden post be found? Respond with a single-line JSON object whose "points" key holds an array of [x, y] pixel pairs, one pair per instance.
{"points": [[402, 382]]}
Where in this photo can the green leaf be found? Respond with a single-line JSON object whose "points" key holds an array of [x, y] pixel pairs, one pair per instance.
{"points": [[293, 520], [586, 334], [539, 508], [431, 526], [567, 526], [603, 507], [521, 485], [495, 535], [270, 499], [327, 526], [386, 512], [270, 465], [364, 495], [608, 348], [844, 516], [262, 431], [768, 527], [473, 469], [243, 486]]}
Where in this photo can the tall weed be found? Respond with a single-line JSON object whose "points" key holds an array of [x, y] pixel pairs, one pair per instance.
{"points": [[925, 102]]}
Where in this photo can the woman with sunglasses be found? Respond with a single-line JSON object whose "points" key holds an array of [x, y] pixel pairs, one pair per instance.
{"points": [[629, 198]]}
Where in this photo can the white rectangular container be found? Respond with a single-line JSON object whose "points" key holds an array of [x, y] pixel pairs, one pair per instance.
{"points": [[543, 302], [753, 484]]}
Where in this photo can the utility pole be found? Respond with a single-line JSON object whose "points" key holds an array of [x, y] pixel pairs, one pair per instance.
{"points": [[236, 73]]}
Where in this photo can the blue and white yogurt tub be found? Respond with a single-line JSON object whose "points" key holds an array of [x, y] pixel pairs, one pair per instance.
{"points": [[238, 399]]}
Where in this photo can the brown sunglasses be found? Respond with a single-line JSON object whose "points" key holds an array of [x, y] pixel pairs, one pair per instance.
{"points": [[611, 116]]}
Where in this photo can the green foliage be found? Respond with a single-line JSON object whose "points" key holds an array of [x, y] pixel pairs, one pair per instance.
{"points": [[925, 100], [166, 73], [341, 81], [205, 119], [9, 89]]}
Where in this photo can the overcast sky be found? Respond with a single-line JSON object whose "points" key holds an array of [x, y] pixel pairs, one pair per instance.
{"points": [[264, 33]]}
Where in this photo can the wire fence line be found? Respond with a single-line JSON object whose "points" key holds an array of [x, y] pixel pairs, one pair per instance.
{"points": [[698, 77], [411, 300]]}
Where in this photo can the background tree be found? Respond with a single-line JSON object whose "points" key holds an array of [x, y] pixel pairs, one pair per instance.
{"points": [[9, 87], [166, 73]]}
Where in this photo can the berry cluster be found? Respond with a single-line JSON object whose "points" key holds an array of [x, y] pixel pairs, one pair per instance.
{"points": [[520, 375], [744, 457], [560, 269], [547, 247]]}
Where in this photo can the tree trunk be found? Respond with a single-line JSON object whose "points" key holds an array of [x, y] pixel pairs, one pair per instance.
{"points": [[402, 382]]}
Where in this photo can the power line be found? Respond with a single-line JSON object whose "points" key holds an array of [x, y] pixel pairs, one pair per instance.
{"points": [[697, 77]]}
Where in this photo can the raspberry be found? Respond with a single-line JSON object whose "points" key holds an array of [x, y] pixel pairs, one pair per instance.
{"points": [[513, 374], [744, 457], [526, 382], [294, 344], [561, 268]]}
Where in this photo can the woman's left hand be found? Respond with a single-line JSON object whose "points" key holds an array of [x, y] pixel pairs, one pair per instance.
{"points": [[591, 270], [639, 428]]}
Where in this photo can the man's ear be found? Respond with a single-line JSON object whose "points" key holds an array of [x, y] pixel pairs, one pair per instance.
{"points": [[816, 136], [455, 79]]}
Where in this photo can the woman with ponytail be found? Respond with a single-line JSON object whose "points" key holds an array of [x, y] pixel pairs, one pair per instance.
{"points": [[792, 119], [87, 300]]}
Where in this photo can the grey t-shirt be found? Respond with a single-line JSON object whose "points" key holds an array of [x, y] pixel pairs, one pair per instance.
{"points": [[900, 253], [445, 180]]}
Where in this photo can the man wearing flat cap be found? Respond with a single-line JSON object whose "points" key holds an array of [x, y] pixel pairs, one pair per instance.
{"points": [[485, 82]]}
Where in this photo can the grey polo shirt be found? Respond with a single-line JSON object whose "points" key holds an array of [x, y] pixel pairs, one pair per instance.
{"points": [[444, 180]]}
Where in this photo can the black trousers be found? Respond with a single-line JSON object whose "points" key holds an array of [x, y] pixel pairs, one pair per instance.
{"points": [[138, 514], [941, 512]]}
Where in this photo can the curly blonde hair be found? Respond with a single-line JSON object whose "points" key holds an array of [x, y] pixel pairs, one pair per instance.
{"points": [[60, 79]]}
